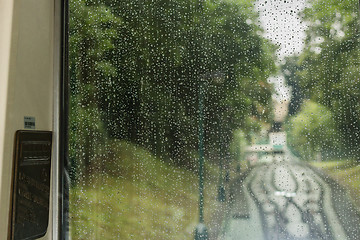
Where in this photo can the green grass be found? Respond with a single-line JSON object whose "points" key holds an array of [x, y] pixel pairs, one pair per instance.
{"points": [[346, 173], [134, 195]]}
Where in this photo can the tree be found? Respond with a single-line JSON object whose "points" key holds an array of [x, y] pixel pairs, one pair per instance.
{"points": [[291, 70], [313, 130], [139, 64], [92, 32], [330, 64]]}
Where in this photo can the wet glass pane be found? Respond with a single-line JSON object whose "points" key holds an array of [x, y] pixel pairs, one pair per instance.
{"points": [[209, 119]]}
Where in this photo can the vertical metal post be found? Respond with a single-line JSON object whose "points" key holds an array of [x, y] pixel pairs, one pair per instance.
{"points": [[201, 153], [221, 187], [60, 204], [201, 230], [57, 168], [201, 141]]}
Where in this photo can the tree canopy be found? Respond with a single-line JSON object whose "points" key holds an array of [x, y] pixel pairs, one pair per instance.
{"points": [[328, 70], [136, 67]]}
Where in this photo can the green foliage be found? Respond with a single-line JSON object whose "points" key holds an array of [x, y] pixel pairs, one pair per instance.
{"points": [[140, 64], [346, 172], [139, 196], [330, 66], [92, 30], [291, 70], [313, 130], [238, 145]]}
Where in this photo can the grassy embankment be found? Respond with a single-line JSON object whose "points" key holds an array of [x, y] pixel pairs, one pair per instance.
{"points": [[346, 173], [138, 196]]}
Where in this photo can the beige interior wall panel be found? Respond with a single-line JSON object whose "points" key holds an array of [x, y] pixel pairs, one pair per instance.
{"points": [[5, 43], [26, 79], [6, 10]]}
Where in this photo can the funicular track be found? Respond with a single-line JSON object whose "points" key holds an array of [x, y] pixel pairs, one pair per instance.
{"points": [[290, 199]]}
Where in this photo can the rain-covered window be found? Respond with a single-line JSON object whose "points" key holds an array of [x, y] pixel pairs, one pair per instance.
{"points": [[214, 119]]}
